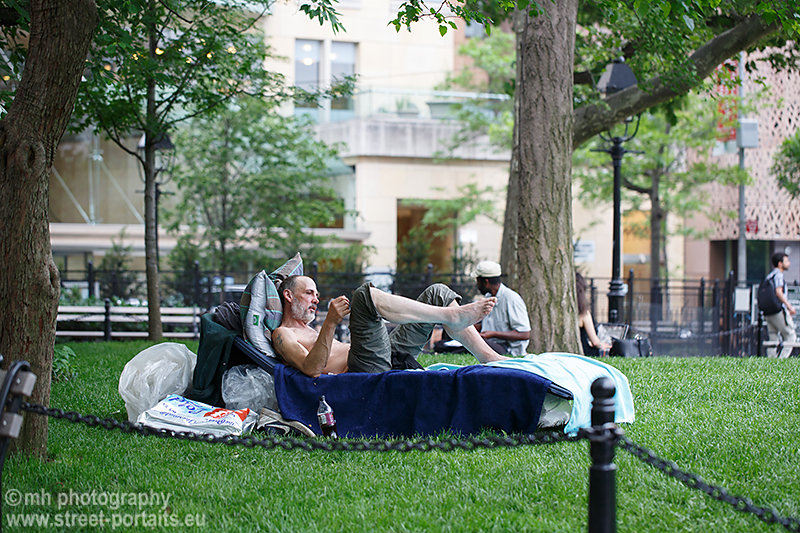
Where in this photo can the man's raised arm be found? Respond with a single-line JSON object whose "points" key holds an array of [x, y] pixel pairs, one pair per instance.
{"points": [[311, 362]]}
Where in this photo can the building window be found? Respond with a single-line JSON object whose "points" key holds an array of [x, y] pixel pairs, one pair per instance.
{"points": [[319, 65]]}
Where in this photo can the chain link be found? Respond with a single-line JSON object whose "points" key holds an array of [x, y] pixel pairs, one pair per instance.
{"points": [[693, 481], [288, 443]]}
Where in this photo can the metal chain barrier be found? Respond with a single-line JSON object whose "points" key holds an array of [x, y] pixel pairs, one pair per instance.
{"points": [[693, 481], [604, 436], [288, 443]]}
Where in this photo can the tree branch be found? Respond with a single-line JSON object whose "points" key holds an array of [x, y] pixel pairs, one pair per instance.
{"points": [[635, 188], [593, 119]]}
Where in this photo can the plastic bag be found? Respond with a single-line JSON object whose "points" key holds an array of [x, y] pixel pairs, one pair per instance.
{"points": [[249, 386], [155, 373], [177, 413]]}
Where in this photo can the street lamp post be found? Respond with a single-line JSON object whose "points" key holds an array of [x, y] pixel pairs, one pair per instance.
{"points": [[617, 76]]}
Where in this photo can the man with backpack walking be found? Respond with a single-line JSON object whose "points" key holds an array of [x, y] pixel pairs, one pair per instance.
{"points": [[777, 310]]}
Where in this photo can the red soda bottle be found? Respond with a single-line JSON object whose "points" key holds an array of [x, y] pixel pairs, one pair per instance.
{"points": [[326, 421]]}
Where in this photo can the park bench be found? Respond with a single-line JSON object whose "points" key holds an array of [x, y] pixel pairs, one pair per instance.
{"points": [[771, 344], [177, 322]]}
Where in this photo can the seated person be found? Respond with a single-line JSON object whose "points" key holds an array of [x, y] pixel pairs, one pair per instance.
{"points": [[372, 347], [507, 329], [592, 346]]}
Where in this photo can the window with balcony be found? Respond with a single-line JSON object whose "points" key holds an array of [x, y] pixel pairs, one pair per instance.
{"points": [[319, 65]]}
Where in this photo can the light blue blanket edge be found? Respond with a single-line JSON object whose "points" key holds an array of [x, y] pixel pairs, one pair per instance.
{"points": [[575, 373]]}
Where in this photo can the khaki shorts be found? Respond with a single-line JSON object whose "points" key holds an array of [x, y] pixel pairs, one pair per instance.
{"points": [[372, 346]]}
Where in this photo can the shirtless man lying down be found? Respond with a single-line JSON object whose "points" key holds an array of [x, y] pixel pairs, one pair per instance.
{"points": [[372, 346]]}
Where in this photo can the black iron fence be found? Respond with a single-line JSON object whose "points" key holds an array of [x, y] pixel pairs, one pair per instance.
{"points": [[681, 317], [207, 289]]}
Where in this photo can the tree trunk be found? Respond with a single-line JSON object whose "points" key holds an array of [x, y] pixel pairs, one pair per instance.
{"points": [[656, 220], [154, 327], [537, 246], [29, 281]]}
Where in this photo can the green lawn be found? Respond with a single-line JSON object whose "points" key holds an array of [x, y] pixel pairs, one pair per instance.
{"points": [[732, 421]]}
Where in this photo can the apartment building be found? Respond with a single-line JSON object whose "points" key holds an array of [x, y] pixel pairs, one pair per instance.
{"points": [[772, 217]]}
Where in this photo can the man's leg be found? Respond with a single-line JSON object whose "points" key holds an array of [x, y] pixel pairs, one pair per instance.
{"points": [[773, 328], [787, 333], [370, 349], [411, 338], [401, 310], [476, 344]]}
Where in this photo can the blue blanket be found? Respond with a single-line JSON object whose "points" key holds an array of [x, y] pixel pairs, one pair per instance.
{"points": [[404, 403], [575, 373]]}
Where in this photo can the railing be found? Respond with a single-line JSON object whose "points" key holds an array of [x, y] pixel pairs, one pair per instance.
{"points": [[680, 316], [109, 322]]}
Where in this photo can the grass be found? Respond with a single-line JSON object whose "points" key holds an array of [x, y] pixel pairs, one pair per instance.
{"points": [[732, 421]]}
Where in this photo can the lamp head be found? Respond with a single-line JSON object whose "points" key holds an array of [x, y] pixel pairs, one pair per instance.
{"points": [[617, 76]]}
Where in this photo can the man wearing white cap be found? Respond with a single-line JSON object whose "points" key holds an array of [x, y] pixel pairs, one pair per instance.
{"points": [[507, 328]]}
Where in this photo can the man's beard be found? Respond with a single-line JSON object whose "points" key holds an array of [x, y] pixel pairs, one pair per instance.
{"points": [[302, 313]]}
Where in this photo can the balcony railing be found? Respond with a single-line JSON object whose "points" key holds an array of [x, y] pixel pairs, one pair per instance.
{"points": [[406, 103]]}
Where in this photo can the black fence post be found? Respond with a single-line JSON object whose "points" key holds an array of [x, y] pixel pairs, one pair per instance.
{"points": [[18, 381], [603, 472], [629, 313], [90, 279], [727, 317], [428, 275], [196, 283], [759, 340], [593, 297], [655, 303], [701, 301], [107, 321], [314, 271], [715, 316]]}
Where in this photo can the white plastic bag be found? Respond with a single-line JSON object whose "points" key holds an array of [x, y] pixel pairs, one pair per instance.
{"points": [[249, 386], [177, 413], [155, 373]]}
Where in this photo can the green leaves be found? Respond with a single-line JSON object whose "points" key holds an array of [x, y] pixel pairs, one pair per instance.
{"points": [[786, 165], [323, 11], [250, 175], [446, 12], [197, 54]]}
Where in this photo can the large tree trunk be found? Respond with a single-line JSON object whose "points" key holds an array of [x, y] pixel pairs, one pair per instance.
{"points": [[29, 281], [537, 244]]}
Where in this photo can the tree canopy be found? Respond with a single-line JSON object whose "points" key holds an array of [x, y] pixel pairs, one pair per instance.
{"points": [[248, 175], [786, 165]]}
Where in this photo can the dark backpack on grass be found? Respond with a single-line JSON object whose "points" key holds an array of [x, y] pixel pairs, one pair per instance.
{"points": [[768, 301]]}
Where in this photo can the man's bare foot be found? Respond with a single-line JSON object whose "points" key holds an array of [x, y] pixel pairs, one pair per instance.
{"points": [[465, 315], [491, 358]]}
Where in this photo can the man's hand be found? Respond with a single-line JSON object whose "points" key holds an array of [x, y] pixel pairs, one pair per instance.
{"points": [[338, 309]]}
